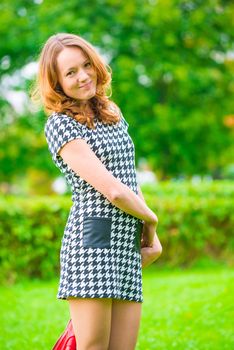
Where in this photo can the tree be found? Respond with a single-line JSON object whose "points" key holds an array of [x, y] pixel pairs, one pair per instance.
{"points": [[172, 67]]}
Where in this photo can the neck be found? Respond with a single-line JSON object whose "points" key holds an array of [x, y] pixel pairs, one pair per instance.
{"points": [[83, 103], [86, 108]]}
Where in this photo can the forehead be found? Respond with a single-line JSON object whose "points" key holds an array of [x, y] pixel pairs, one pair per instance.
{"points": [[70, 57]]}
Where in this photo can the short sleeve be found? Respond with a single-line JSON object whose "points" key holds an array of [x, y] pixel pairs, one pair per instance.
{"points": [[59, 130]]}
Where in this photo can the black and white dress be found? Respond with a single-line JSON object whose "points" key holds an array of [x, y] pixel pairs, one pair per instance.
{"points": [[100, 247]]}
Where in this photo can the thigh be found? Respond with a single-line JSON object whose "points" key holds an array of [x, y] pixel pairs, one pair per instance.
{"points": [[125, 323], [91, 320]]}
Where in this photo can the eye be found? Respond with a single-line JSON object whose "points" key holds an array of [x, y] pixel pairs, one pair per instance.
{"points": [[69, 73], [88, 64]]}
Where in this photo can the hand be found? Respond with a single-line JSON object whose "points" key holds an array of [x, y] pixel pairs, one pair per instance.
{"points": [[152, 253]]}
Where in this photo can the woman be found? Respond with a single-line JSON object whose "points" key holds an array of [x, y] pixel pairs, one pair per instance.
{"points": [[110, 233]]}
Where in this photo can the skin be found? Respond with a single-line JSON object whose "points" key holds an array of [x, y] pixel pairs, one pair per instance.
{"points": [[105, 324], [74, 71], [101, 324], [151, 248]]}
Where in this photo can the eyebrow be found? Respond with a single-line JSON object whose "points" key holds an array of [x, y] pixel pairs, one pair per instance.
{"points": [[67, 70]]}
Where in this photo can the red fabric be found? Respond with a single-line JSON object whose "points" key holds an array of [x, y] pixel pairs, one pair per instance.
{"points": [[67, 340]]}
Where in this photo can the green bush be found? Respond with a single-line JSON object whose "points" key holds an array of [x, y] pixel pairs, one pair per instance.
{"points": [[195, 226], [31, 234], [195, 221]]}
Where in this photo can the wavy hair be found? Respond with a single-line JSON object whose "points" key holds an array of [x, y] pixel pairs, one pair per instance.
{"points": [[48, 92]]}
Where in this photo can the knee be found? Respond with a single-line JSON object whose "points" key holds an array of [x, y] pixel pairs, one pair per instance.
{"points": [[92, 343]]}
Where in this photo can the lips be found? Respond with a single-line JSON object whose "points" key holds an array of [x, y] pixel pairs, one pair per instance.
{"points": [[86, 85]]}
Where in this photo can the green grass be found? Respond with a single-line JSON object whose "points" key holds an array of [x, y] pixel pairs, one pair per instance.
{"points": [[188, 310], [182, 310]]}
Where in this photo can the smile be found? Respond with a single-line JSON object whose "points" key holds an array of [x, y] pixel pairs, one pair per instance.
{"points": [[86, 85]]}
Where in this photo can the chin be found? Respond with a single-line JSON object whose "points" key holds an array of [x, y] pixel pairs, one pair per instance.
{"points": [[91, 94], [86, 96]]}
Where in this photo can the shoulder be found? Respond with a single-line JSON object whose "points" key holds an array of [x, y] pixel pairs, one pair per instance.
{"points": [[114, 108], [61, 119], [119, 112], [60, 129]]}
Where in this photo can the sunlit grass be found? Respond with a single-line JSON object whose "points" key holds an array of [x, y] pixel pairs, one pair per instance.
{"points": [[182, 310], [188, 310]]}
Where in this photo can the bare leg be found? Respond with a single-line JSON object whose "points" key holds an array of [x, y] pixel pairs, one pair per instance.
{"points": [[125, 324], [91, 320]]}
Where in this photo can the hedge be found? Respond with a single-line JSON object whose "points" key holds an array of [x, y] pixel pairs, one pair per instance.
{"points": [[195, 226]]}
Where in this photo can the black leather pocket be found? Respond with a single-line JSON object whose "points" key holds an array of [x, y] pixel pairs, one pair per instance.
{"points": [[137, 241], [96, 232]]}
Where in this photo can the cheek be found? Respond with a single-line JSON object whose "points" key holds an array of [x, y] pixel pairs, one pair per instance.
{"points": [[69, 84], [94, 74]]}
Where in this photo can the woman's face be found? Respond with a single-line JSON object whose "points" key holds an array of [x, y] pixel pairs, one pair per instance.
{"points": [[76, 75]]}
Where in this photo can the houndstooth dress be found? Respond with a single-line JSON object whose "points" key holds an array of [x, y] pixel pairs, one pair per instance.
{"points": [[100, 247]]}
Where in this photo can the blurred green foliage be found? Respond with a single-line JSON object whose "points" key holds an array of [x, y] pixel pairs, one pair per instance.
{"points": [[195, 225], [172, 67]]}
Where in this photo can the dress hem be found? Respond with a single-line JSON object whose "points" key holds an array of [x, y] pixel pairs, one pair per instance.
{"points": [[100, 297]]}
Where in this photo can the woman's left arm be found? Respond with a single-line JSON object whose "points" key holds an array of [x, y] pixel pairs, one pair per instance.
{"points": [[149, 254], [140, 194]]}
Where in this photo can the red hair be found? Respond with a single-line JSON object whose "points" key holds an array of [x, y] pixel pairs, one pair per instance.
{"points": [[48, 91]]}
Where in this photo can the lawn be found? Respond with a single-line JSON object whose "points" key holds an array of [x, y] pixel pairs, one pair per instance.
{"points": [[182, 310]]}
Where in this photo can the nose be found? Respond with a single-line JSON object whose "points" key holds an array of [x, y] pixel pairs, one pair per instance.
{"points": [[82, 76]]}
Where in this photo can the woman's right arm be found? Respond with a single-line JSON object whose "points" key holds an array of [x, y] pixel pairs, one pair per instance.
{"points": [[83, 161]]}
